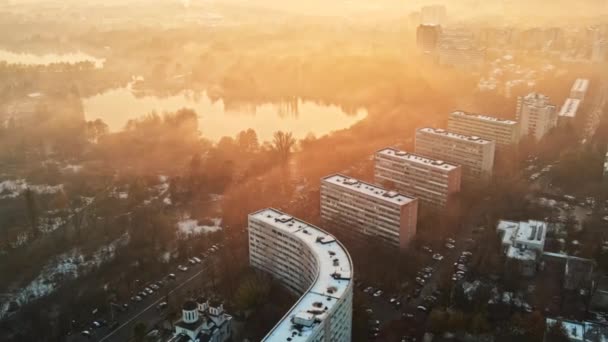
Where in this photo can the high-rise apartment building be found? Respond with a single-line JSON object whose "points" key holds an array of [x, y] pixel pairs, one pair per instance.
{"points": [[457, 48], [432, 181], [474, 154], [310, 263], [360, 210], [504, 132], [599, 51], [536, 115]]}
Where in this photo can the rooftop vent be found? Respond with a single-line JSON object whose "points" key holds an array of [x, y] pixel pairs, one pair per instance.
{"points": [[438, 162], [350, 181], [391, 194], [284, 218], [401, 153]]}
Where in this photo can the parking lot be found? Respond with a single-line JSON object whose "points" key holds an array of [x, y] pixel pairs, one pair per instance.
{"points": [[411, 308]]}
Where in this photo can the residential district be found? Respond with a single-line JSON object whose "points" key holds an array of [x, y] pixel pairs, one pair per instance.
{"points": [[547, 277]]}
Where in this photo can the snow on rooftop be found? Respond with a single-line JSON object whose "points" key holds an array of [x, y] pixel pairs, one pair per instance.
{"points": [[481, 117], [580, 85], [368, 189], [416, 158], [454, 136], [570, 108], [524, 239], [335, 271]]}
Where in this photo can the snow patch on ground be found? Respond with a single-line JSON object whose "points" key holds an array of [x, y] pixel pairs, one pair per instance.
{"points": [[75, 168], [49, 224], [189, 227], [69, 265], [14, 188]]}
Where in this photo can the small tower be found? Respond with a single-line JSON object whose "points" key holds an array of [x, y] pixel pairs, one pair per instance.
{"points": [[202, 303], [216, 307], [190, 312]]}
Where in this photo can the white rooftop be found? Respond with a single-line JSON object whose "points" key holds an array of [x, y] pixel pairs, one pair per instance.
{"points": [[455, 136], [580, 85], [482, 117], [524, 239], [335, 271], [570, 108], [368, 189], [416, 158], [532, 233]]}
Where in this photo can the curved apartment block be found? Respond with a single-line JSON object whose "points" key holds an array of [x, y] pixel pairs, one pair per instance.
{"points": [[309, 262]]}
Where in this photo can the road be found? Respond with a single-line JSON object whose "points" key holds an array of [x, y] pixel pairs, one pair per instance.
{"points": [[146, 311]]}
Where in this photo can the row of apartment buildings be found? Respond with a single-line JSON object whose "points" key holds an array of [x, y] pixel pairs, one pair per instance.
{"points": [[314, 264]]}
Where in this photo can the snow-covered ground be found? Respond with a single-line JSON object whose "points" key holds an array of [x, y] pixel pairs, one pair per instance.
{"points": [[189, 227], [14, 188], [69, 265]]}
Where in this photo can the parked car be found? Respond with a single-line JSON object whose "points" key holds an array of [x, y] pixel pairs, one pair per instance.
{"points": [[182, 268], [197, 260], [378, 293], [171, 276], [437, 257], [422, 308], [368, 289], [162, 305], [86, 333], [449, 246]]}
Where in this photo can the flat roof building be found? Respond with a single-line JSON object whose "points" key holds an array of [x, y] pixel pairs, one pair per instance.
{"points": [[536, 115], [523, 242], [474, 154], [431, 180], [569, 109], [579, 89], [361, 210], [504, 132], [310, 263]]}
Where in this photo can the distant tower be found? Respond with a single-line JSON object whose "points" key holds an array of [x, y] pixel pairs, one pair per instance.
{"points": [[427, 37], [434, 15]]}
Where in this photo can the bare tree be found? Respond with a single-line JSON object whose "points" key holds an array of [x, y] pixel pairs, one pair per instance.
{"points": [[283, 143]]}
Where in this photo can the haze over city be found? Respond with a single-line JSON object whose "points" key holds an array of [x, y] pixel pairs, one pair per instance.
{"points": [[352, 170]]}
